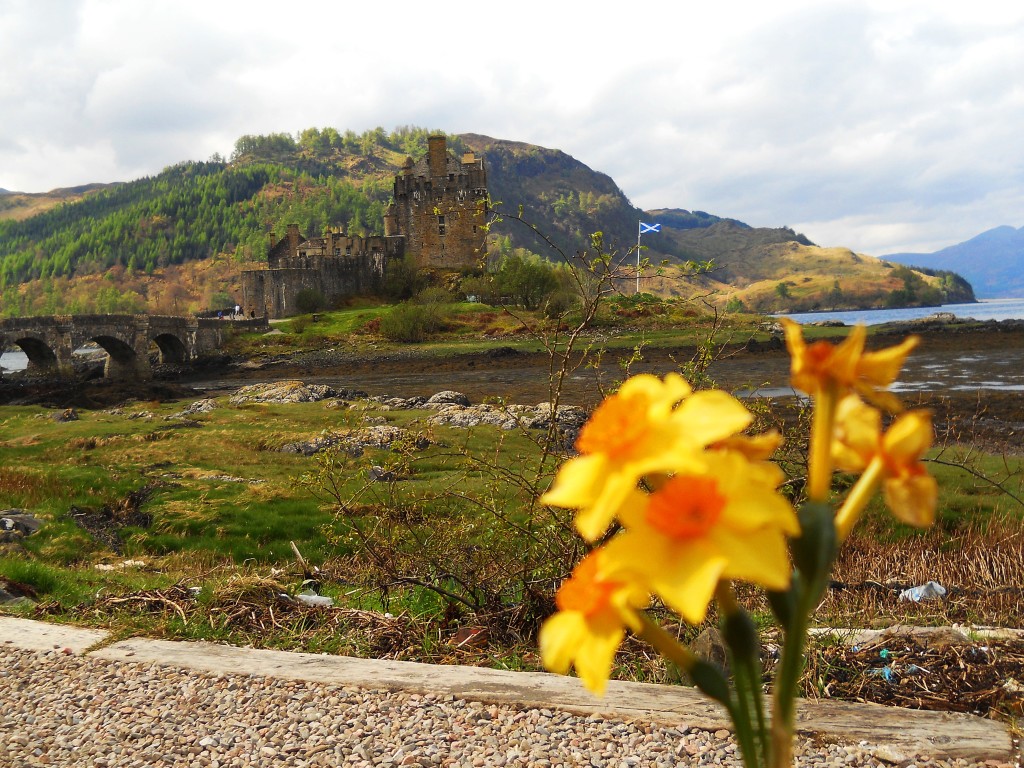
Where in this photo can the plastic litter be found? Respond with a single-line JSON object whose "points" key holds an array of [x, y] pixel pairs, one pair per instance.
{"points": [[311, 598], [931, 590], [885, 673]]}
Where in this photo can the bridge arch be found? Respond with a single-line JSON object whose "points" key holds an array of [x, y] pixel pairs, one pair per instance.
{"points": [[41, 356], [172, 349], [50, 341], [123, 361]]}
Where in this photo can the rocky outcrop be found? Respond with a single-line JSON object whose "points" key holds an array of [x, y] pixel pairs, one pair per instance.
{"points": [[355, 441], [282, 392], [568, 418]]}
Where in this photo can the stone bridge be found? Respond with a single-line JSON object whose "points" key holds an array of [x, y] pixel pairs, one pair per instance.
{"points": [[50, 342]]}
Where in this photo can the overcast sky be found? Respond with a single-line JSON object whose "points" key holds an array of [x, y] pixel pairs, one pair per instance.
{"points": [[880, 126]]}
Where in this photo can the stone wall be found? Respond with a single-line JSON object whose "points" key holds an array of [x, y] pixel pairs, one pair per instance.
{"points": [[273, 292]]}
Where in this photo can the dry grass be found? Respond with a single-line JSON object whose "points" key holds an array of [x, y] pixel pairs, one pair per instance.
{"points": [[981, 565]]}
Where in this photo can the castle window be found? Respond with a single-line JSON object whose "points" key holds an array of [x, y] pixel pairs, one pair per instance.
{"points": [[440, 225]]}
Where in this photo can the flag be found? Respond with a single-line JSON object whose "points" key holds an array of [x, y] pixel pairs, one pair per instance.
{"points": [[645, 228]]}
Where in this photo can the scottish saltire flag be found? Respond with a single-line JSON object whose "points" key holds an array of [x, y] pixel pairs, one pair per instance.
{"points": [[645, 228]]}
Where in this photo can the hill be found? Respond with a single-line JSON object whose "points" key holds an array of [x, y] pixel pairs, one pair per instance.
{"points": [[993, 262], [776, 270], [126, 247], [22, 205]]}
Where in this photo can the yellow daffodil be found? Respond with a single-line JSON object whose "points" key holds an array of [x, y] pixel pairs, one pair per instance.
{"points": [[828, 372], [649, 426], [593, 613], [754, 447], [817, 366], [725, 522], [891, 458]]}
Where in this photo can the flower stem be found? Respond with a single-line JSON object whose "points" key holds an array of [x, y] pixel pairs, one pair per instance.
{"points": [[813, 553], [858, 498], [665, 644], [819, 459], [744, 652]]}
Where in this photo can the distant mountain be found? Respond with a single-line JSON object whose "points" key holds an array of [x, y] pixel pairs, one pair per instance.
{"points": [[993, 262]]}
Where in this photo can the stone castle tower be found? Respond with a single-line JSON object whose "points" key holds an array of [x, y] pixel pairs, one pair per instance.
{"points": [[438, 218], [440, 208]]}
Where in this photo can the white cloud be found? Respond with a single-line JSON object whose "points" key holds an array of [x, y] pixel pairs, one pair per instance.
{"points": [[882, 126]]}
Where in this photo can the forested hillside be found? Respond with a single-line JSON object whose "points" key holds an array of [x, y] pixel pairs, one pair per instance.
{"points": [[177, 242]]}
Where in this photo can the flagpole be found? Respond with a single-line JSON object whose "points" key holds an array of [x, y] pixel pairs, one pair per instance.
{"points": [[638, 228]]}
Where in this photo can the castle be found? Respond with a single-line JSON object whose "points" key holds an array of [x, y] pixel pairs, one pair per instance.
{"points": [[437, 218]]}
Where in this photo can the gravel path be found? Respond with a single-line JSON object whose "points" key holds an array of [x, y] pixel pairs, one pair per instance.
{"points": [[65, 710]]}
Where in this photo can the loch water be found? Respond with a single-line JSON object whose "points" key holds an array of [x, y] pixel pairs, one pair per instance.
{"points": [[968, 370], [986, 309]]}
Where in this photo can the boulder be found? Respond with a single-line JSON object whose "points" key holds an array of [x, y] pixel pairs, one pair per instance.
{"points": [[446, 397], [199, 406], [16, 524], [710, 647]]}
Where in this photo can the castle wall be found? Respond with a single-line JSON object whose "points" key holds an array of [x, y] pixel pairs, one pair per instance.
{"points": [[438, 217], [274, 292]]}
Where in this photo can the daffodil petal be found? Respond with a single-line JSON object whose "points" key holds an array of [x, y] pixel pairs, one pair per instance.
{"points": [[559, 640], [912, 499], [858, 429], [759, 557], [882, 367], [910, 436], [592, 521], [709, 416], [578, 482], [596, 654], [683, 575]]}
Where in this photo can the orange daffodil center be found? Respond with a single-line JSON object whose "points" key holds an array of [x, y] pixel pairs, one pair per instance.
{"points": [[615, 429], [726, 521], [584, 591], [685, 507]]}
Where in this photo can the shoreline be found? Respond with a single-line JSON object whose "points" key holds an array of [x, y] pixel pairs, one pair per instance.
{"points": [[990, 418]]}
